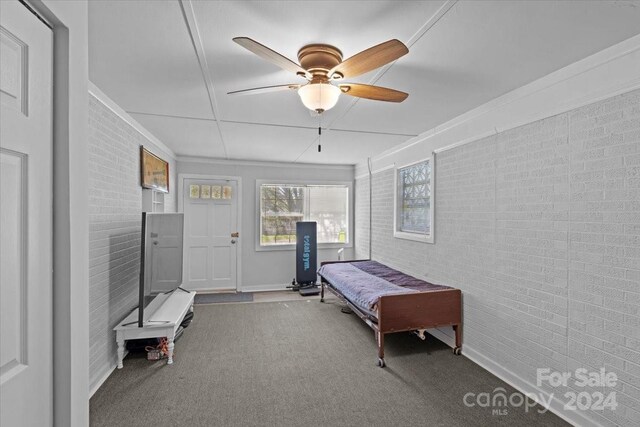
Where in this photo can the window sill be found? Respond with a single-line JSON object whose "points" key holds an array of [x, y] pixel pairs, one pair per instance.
{"points": [[424, 238], [292, 247]]}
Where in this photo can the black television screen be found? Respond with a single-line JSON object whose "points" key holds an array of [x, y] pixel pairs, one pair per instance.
{"points": [[160, 257]]}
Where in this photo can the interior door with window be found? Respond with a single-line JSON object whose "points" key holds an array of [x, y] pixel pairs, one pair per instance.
{"points": [[26, 370], [211, 237]]}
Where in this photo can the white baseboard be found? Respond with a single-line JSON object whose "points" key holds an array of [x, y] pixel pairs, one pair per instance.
{"points": [[265, 288], [254, 288], [450, 341], [106, 375], [576, 418]]}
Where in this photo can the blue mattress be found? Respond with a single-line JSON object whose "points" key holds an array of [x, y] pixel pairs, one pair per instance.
{"points": [[358, 286], [364, 282]]}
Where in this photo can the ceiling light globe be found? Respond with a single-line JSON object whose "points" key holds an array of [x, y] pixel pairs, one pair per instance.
{"points": [[319, 96]]}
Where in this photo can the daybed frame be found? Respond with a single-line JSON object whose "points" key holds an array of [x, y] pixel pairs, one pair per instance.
{"points": [[407, 312]]}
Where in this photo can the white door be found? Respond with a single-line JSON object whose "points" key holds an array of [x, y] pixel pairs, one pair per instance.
{"points": [[163, 258], [26, 218], [211, 241]]}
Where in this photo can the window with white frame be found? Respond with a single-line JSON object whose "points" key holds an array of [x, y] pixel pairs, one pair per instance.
{"points": [[413, 207], [282, 205]]}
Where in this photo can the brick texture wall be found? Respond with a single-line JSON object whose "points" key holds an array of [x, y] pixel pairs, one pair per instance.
{"points": [[604, 246], [115, 206], [540, 228], [361, 219]]}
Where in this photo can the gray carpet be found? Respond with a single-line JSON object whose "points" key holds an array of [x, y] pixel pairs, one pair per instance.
{"points": [[226, 297], [299, 363]]}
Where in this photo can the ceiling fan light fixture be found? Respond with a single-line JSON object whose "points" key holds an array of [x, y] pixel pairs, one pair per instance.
{"points": [[319, 97]]}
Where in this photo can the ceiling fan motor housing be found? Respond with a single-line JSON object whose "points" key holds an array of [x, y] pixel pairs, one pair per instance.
{"points": [[318, 59]]}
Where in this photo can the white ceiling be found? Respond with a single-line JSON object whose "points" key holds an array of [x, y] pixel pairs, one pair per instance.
{"points": [[462, 54]]}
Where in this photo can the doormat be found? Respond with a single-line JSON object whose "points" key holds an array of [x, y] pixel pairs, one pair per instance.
{"points": [[230, 297]]}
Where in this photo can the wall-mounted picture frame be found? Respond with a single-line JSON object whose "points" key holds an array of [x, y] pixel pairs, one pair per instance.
{"points": [[154, 172]]}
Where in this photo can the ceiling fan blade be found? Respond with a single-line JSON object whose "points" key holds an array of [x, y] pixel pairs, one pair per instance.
{"points": [[265, 89], [271, 55], [370, 59], [377, 93]]}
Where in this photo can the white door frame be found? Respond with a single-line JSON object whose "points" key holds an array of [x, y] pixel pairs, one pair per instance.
{"points": [[181, 178]]}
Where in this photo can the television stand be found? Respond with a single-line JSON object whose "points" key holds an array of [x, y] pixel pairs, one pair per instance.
{"points": [[162, 319]]}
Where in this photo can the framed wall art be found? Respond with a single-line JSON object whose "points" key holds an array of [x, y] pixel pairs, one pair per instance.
{"points": [[154, 171]]}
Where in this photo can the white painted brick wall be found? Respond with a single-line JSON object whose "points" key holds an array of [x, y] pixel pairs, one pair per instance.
{"points": [[115, 206], [361, 217], [604, 246], [540, 228]]}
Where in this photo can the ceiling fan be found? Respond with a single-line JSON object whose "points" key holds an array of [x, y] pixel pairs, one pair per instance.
{"points": [[321, 64]]}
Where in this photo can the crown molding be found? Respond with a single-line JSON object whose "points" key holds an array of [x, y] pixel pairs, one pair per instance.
{"points": [[120, 112], [596, 92], [232, 162], [375, 171]]}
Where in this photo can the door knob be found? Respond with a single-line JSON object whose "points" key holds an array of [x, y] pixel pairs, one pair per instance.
{"points": [[233, 241]]}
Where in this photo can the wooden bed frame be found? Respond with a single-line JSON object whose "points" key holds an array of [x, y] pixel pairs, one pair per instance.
{"points": [[408, 312]]}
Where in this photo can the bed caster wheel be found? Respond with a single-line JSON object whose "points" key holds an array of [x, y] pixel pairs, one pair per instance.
{"points": [[380, 362], [457, 351]]}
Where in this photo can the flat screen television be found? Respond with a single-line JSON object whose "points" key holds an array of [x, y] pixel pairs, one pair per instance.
{"points": [[160, 257]]}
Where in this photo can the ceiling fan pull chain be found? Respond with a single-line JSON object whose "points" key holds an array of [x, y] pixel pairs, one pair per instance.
{"points": [[320, 135]]}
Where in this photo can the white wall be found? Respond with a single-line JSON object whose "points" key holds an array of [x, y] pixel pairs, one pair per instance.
{"points": [[266, 270], [115, 206], [539, 227]]}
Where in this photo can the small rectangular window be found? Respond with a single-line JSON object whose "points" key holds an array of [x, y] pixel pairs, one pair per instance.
{"points": [[329, 207], [282, 205], [280, 208], [413, 210]]}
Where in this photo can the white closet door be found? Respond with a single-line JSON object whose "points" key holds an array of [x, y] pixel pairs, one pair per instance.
{"points": [[26, 218]]}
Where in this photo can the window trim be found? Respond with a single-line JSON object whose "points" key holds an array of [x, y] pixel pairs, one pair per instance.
{"points": [[406, 235], [292, 247]]}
